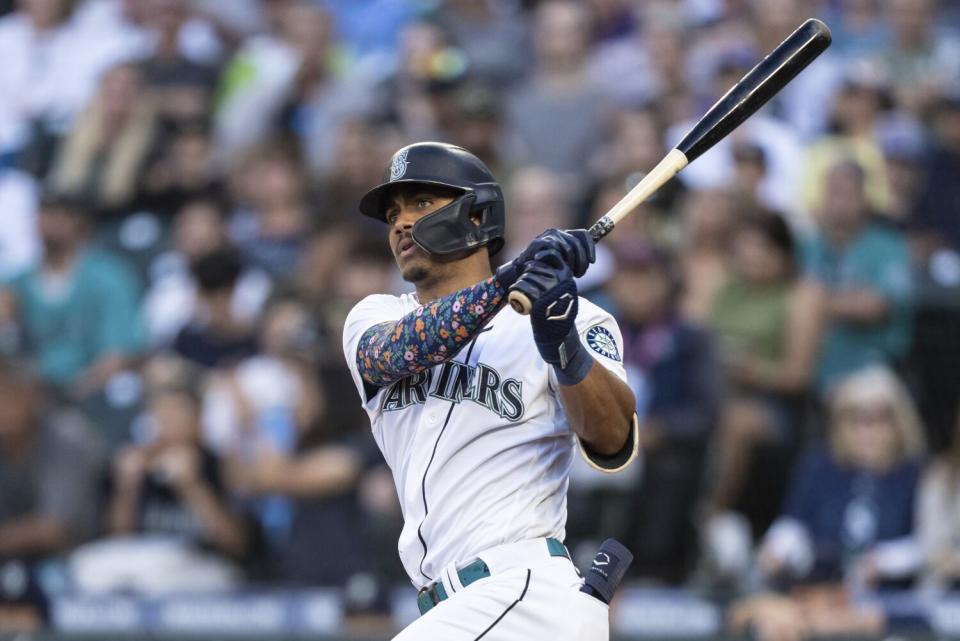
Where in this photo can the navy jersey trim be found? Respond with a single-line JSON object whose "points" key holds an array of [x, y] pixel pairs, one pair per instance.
{"points": [[423, 481]]}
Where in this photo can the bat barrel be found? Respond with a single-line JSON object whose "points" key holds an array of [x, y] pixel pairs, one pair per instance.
{"points": [[757, 87]]}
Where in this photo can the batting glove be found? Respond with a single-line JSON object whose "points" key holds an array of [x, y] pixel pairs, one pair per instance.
{"points": [[548, 281], [576, 248]]}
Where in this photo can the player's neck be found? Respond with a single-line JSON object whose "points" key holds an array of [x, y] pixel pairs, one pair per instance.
{"points": [[466, 276]]}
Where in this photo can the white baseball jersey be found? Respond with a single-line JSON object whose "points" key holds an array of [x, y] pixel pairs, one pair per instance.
{"points": [[479, 446]]}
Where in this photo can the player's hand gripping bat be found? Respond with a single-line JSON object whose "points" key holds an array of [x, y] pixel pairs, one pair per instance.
{"points": [[749, 94]]}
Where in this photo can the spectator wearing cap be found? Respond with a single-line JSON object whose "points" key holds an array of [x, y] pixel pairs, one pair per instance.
{"points": [[78, 307], [864, 267], [676, 379]]}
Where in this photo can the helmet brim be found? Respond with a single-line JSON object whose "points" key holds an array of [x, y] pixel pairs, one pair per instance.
{"points": [[373, 203]]}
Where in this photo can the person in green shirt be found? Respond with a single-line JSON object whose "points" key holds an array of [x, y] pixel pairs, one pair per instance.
{"points": [[767, 321], [77, 309], [864, 268]]}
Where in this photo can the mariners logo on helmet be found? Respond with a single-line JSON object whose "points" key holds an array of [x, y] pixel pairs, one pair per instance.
{"points": [[399, 166]]}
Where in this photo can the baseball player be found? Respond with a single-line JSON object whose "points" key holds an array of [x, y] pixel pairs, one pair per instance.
{"points": [[478, 410]]}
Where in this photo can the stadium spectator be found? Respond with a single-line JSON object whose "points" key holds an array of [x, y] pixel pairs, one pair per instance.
{"points": [[646, 64], [77, 308], [708, 218], [51, 65], [849, 513], [182, 170], [920, 57], [676, 380], [560, 96], [49, 467], [289, 80], [852, 134], [767, 322], [493, 39], [271, 233], [105, 154], [938, 520], [935, 239], [216, 336], [268, 413], [199, 228], [865, 268], [173, 525]]}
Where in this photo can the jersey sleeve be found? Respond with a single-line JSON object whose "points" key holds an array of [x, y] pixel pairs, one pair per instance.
{"points": [[601, 337], [372, 310]]}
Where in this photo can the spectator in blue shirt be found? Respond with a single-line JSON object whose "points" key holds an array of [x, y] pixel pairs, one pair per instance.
{"points": [[851, 503], [864, 266], [848, 521], [77, 308]]}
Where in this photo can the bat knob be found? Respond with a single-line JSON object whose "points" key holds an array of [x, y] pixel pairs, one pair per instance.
{"points": [[520, 303]]}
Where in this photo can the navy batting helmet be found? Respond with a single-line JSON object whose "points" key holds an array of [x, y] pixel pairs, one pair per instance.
{"points": [[475, 218]]}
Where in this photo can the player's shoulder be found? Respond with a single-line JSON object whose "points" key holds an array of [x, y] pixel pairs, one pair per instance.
{"points": [[599, 330], [379, 304]]}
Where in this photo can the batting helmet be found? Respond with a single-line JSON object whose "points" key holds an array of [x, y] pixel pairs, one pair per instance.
{"points": [[452, 227]]}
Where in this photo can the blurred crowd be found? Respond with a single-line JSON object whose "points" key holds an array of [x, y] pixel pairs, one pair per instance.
{"points": [[180, 244]]}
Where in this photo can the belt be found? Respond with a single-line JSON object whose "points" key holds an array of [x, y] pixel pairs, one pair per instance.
{"points": [[475, 570]]}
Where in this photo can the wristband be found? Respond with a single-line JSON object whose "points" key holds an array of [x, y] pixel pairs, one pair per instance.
{"points": [[575, 362]]}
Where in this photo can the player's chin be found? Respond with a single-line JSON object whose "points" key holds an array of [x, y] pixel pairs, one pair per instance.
{"points": [[414, 270]]}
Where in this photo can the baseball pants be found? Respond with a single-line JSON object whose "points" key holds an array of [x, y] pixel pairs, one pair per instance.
{"points": [[526, 597]]}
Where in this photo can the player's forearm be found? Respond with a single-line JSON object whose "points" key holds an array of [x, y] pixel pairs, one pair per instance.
{"points": [[858, 307], [431, 334], [600, 410]]}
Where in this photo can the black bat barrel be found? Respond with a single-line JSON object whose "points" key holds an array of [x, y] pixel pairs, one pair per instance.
{"points": [[757, 87]]}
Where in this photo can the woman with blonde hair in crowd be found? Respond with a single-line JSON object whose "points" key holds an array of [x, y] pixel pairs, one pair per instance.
{"points": [[848, 521], [105, 154]]}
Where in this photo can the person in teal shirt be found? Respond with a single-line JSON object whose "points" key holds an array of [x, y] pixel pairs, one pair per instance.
{"points": [[864, 267], [78, 308]]}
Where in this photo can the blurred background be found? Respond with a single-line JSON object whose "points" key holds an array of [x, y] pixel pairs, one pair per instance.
{"points": [[182, 451]]}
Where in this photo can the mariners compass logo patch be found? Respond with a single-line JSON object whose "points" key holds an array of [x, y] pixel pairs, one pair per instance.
{"points": [[602, 342], [399, 166]]}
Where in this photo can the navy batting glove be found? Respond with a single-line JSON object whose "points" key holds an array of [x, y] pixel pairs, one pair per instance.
{"points": [[548, 281], [576, 249]]}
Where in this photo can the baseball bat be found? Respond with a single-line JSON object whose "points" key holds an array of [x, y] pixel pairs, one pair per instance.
{"points": [[750, 93]]}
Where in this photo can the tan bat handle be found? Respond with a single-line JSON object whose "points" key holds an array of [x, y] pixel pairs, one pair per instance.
{"points": [[666, 169]]}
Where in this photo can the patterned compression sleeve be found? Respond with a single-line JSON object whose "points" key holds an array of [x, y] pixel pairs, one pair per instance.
{"points": [[430, 334]]}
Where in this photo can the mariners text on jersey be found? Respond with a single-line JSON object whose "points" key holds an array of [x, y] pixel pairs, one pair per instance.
{"points": [[457, 382]]}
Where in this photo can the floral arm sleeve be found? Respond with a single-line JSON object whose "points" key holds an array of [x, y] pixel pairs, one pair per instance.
{"points": [[430, 334]]}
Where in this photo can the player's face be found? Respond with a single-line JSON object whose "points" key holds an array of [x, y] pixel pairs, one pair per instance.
{"points": [[404, 210]]}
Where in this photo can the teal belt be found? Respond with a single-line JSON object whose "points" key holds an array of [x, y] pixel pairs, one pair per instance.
{"points": [[473, 571]]}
